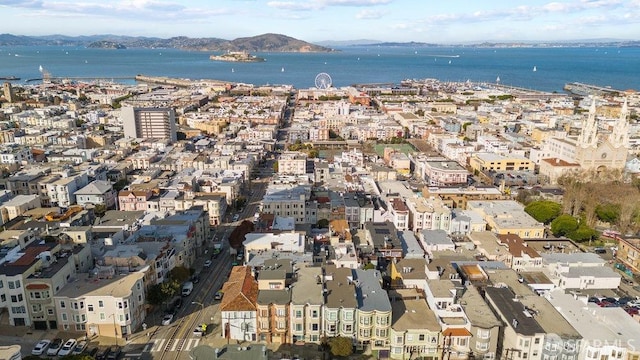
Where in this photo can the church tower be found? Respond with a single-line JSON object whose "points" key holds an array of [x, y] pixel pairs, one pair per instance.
{"points": [[589, 134], [619, 137]]}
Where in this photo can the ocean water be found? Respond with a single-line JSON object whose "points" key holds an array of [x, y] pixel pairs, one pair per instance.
{"points": [[615, 67]]}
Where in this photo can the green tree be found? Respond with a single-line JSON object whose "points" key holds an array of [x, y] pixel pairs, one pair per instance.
{"points": [[180, 274], [583, 233], [323, 223], [369, 266], [608, 212], [340, 346], [161, 293], [275, 166], [120, 184], [563, 225], [544, 211], [100, 209]]}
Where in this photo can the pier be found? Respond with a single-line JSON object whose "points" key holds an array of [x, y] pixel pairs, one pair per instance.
{"points": [[581, 89]]}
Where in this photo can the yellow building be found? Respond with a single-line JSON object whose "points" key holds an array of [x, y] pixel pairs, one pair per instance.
{"points": [[507, 217], [489, 161]]}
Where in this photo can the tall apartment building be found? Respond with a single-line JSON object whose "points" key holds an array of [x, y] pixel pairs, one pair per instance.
{"points": [[159, 123]]}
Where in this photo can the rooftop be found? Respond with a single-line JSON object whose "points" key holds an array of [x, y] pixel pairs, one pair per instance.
{"points": [[477, 310], [413, 314], [119, 286], [513, 311]]}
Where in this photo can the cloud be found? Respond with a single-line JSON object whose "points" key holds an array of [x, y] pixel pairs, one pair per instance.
{"points": [[370, 14], [322, 4], [34, 4]]}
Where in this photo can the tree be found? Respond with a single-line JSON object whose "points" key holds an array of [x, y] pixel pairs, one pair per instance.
{"points": [[180, 274], [543, 211], [323, 224], [275, 166], [583, 233], [160, 293], [369, 266], [340, 346], [100, 209], [608, 212], [563, 225]]}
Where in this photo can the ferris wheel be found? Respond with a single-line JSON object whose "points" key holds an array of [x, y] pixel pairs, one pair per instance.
{"points": [[323, 81]]}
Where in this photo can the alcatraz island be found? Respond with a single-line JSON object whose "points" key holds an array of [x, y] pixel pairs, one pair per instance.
{"points": [[236, 56]]}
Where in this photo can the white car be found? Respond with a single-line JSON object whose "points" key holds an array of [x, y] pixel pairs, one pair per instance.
{"points": [[634, 303], [207, 263], [79, 348], [68, 347], [54, 347], [40, 347], [167, 319]]}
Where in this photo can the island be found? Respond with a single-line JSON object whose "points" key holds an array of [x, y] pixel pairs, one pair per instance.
{"points": [[236, 56], [106, 44]]}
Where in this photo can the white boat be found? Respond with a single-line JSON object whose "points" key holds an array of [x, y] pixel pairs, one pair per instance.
{"points": [[535, 68], [40, 68], [282, 70], [232, 70], [449, 61], [498, 79]]}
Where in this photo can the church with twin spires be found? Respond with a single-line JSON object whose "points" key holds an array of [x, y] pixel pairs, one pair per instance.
{"points": [[592, 149]]}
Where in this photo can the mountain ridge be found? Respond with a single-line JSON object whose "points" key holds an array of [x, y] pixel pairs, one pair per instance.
{"points": [[260, 43]]}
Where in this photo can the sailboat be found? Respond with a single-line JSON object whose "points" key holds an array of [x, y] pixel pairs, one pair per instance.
{"points": [[282, 70], [232, 70], [449, 61], [498, 79], [40, 68], [535, 68]]}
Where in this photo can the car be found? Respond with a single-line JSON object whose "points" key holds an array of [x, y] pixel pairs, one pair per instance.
{"points": [[177, 304], [624, 300], [218, 296], [54, 347], [634, 303], [79, 348], [102, 354], [92, 352], [68, 347], [167, 319], [195, 279], [236, 217], [208, 263], [628, 281], [114, 353], [200, 330], [594, 300], [40, 347]]}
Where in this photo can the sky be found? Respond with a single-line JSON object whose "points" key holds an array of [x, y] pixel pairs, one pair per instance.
{"points": [[442, 21]]}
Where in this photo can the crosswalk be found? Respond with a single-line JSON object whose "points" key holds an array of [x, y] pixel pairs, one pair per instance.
{"points": [[158, 345]]}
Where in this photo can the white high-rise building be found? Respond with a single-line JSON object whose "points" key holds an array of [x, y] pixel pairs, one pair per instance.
{"points": [[149, 123]]}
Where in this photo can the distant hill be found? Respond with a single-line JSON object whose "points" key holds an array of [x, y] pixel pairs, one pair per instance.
{"points": [[259, 43], [106, 44]]}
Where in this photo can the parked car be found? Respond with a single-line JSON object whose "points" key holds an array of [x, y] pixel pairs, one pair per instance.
{"points": [[218, 296], [178, 303], [102, 354], [92, 352], [167, 319], [195, 279], [68, 347], [54, 347], [79, 348], [200, 330], [236, 217], [208, 263], [114, 353], [40, 347]]}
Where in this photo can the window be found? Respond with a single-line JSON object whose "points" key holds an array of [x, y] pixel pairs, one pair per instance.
{"points": [[348, 328], [102, 316], [483, 333], [49, 311], [90, 307], [64, 317], [11, 285], [398, 339], [482, 346], [332, 315], [17, 284], [314, 327], [1, 284], [298, 327], [63, 304], [298, 314], [280, 312], [100, 303], [421, 337], [314, 313]]}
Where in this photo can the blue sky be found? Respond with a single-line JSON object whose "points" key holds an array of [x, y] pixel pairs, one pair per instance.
{"points": [[442, 21]]}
